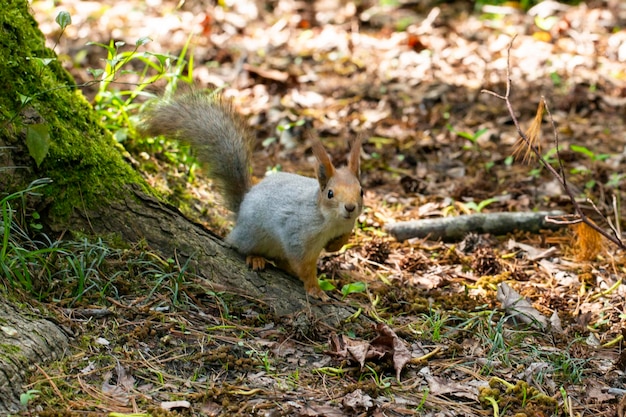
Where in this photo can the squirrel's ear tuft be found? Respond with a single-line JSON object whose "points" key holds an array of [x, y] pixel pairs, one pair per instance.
{"points": [[324, 168], [354, 160]]}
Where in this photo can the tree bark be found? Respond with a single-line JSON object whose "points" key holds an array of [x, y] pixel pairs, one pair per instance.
{"points": [[24, 341]]}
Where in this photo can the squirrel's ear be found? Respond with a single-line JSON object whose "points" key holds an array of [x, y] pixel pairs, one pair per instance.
{"points": [[354, 160], [324, 168]]}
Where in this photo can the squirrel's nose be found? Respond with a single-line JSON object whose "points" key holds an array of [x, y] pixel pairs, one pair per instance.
{"points": [[350, 207]]}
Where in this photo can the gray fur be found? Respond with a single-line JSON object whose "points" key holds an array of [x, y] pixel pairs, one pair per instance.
{"points": [[217, 134], [280, 218]]}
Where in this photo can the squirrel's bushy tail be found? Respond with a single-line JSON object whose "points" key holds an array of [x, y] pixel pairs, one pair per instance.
{"points": [[209, 123]]}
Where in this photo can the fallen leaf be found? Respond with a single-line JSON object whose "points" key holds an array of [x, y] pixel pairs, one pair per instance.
{"points": [[386, 344], [599, 392], [532, 253], [356, 400], [518, 307], [555, 322], [361, 351], [395, 346], [119, 392], [445, 386], [321, 410], [211, 409]]}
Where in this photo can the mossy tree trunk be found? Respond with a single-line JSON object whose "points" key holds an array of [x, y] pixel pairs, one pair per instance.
{"points": [[93, 189]]}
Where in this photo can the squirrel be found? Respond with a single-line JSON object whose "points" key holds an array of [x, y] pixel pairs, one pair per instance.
{"points": [[286, 218]]}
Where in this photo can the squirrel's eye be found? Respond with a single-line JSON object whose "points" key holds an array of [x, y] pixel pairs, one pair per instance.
{"points": [[330, 194], [361, 193]]}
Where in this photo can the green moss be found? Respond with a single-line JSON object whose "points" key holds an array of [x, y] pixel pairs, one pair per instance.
{"points": [[9, 349], [84, 161]]}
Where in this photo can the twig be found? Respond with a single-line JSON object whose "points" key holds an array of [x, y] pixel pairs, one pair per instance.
{"points": [[425, 357], [52, 384], [560, 177]]}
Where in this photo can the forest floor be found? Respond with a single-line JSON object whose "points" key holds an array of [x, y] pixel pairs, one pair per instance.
{"points": [[408, 79]]}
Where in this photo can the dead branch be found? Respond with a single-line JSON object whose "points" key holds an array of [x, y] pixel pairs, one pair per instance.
{"points": [[456, 228], [560, 176]]}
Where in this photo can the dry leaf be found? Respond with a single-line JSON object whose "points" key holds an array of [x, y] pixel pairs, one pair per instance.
{"points": [[555, 322], [386, 344], [121, 391], [532, 253], [361, 351], [389, 340], [356, 400], [211, 409], [599, 392], [533, 135], [320, 410], [518, 307], [438, 386]]}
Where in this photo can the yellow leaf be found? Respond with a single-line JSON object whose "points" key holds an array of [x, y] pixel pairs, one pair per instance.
{"points": [[533, 135]]}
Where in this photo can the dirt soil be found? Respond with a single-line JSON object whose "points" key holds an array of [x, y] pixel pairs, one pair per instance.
{"points": [[409, 79]]}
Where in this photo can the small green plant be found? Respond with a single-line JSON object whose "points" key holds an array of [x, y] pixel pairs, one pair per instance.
{"points": [[83, 265], [287, 126], [589, 153], [570, 369], [478, 207], [472, 137], [420, 406], [352, 288], [383, 382], [434, 324], [550, 158], [167, 274], [566, 401], [282, 128], [591, 183], [325, 284], [28, 396], [557, 81], [69, 270], [117, 107], [63, 19], [21, 257], [263, 357], [489, 328], [430, 325], [615, 180]]}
